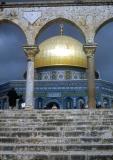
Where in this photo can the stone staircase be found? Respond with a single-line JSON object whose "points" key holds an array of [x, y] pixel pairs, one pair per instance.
{"points": [[56, 135]]}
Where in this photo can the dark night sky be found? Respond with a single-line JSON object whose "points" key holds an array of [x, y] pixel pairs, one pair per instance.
{"points": [[13, 60]]}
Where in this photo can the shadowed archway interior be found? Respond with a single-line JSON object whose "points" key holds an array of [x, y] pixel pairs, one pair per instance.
{"points": [[52, 104], [103, 55], [12, 56]]}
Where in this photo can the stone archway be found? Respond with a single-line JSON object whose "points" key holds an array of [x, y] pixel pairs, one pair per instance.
{"points": [[12, 56], [51, 104], [104, 49], [80, 102], [58, 21], [39, 103], [15, 23], [85, 21], [68, 103], [102, 24], [105, 102]]}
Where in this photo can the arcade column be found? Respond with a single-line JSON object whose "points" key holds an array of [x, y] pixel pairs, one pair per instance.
{"points": [[30, 52], [90, 51]]}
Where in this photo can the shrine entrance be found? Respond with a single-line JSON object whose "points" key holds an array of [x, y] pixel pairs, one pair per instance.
{"points": [[51, 104]]}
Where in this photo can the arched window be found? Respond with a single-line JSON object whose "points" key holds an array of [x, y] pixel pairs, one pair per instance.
{"points": [[39, 103], [80, 102], [105, 102], [68, 103], [52, 104]]}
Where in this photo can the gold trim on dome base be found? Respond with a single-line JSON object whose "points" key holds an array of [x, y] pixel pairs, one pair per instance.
{"points": [[60, 65]]}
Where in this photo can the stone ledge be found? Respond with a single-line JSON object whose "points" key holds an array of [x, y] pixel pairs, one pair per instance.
{"points": [[49, 3]]}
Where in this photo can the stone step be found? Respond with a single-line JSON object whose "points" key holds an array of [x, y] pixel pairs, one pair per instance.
{"points": [[76, 155], [55, 147], [54, 128], [52, 115], [53, 133], [55, 119], [56, 135], [60, 112], [56, 140], [52, 121], [33, 123]]}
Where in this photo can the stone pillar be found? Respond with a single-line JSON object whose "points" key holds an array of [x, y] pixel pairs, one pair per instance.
{"points": [[30, 51], [90, 51]]}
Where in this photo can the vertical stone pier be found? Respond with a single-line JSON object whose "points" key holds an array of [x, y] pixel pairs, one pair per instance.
{"points": [[31, 52], [90, 50]]}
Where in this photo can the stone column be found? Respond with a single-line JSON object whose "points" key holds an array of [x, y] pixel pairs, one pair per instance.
{"points": [[30, 52], [90, 51]]}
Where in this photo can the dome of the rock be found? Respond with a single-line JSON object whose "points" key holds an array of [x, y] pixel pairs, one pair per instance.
{"points": [[61, 51]]}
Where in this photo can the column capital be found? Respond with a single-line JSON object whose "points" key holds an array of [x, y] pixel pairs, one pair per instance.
{"points": [[31, 51], [89, 49]]}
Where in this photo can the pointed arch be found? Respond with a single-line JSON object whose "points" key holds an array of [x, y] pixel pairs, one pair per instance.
{"points": [[68, 103], [13, 23], [39, 103], [49, 103], [60, 20], [80, 102], [103, 24]]}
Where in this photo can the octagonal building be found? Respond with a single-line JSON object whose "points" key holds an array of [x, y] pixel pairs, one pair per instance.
{"points": [[61, 77]]}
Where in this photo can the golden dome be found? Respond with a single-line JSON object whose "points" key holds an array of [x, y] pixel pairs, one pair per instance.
{"points": [[59, 51]]}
